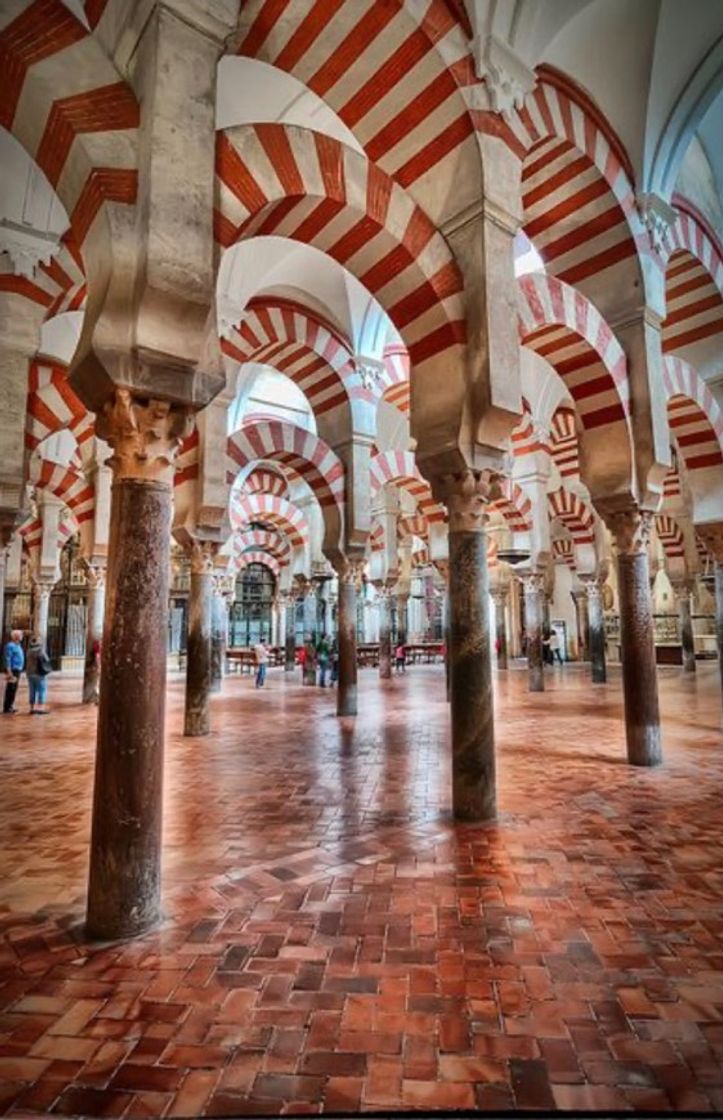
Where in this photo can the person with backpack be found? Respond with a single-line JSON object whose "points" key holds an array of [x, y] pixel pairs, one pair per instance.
{"points": [[37, 667], [322, 657], [14, 657]]}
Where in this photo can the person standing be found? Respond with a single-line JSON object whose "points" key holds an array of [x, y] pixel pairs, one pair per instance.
{"points": [[37, 669], [400, 658], [555, 653], [14, 658], [322, 657], [262, 660]]}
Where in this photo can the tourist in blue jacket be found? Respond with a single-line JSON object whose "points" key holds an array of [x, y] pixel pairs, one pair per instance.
{"points": [[14, 665]]}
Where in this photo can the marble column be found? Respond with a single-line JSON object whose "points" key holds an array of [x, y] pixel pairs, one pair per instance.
{"points": [[290, 633], [719, 614], [534, 585], [41, 604], [197, 719], [95, 609], [385, 633], [346, 697], [583, 628], [596, 631], [125, 867], [402, 628], [687, 641], [219, 633], [3, 571], [631, 532], [500, 601]]}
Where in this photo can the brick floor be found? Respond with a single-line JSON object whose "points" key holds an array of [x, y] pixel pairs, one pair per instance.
{"points": [[331, 940]]}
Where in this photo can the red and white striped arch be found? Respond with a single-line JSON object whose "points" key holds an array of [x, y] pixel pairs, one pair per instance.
{"points": [[58, 286], [563, 551], [31, 534], [66, 104], [376, 537], [303, 451], [694, 416], [577, 184], [262, 480], [415, 526], [526, 439], [672, 487], [262, 540], [395, 384], [564, 447], [243, 560], [391, 71], [515, 506], [268, 509], [670, 537], [313, 355], [291, 182], [398, 468], [572, 512], [563, 327], [66, 484], [693, 288], [52, 406]]}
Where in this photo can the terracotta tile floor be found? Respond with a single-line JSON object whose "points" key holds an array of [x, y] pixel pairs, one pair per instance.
{"points": [[332, 942]]}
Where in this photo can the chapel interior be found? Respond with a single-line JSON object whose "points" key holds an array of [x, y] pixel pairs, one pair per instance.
{"points": [[361, 481]]}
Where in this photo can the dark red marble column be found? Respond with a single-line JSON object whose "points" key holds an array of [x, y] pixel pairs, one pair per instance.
{"points": [[687, 641], [125, 866], [534, 585], [579, 598], [631, 530], [290, 633], [385, 633], [219, 633], [468, 650], [94, 611], [346, 697], [500, 600], [197, 719], [719, 614]]}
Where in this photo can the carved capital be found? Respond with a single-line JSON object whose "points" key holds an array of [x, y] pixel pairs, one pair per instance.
{"points": [[594, 588], [351, 570], [145, 435], [631, 530], [42, 588], [533, 582], [712, 537], [202, 555], [95, 575], [466, 495], [500, 597]]}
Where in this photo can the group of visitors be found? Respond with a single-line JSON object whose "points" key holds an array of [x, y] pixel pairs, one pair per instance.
{"points": [[36, 664]]}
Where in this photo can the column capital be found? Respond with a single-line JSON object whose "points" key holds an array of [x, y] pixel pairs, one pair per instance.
{"points": [[144, 434], [466, 494], [94, 574], [500, 596], [533, 582], [630, 529], [43, 587], [593, 586], [203, 557], [351, 570]]}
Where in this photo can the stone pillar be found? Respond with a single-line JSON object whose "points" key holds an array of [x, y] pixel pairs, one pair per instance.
{"points": [[124, 881], [534, 585], [346, 697], [500, 601], [3, 571], [631, 530], [402, 626], [719, 614], [95, 609], [385, 633], [290, 633], [310, 610], [198, 640], [583, 626], [219, 633], [468, 647], [682, 594], [41, 603], [596, 631]]}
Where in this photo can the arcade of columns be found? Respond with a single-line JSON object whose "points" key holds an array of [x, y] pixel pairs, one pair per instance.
{"points": [[556, 433]]}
